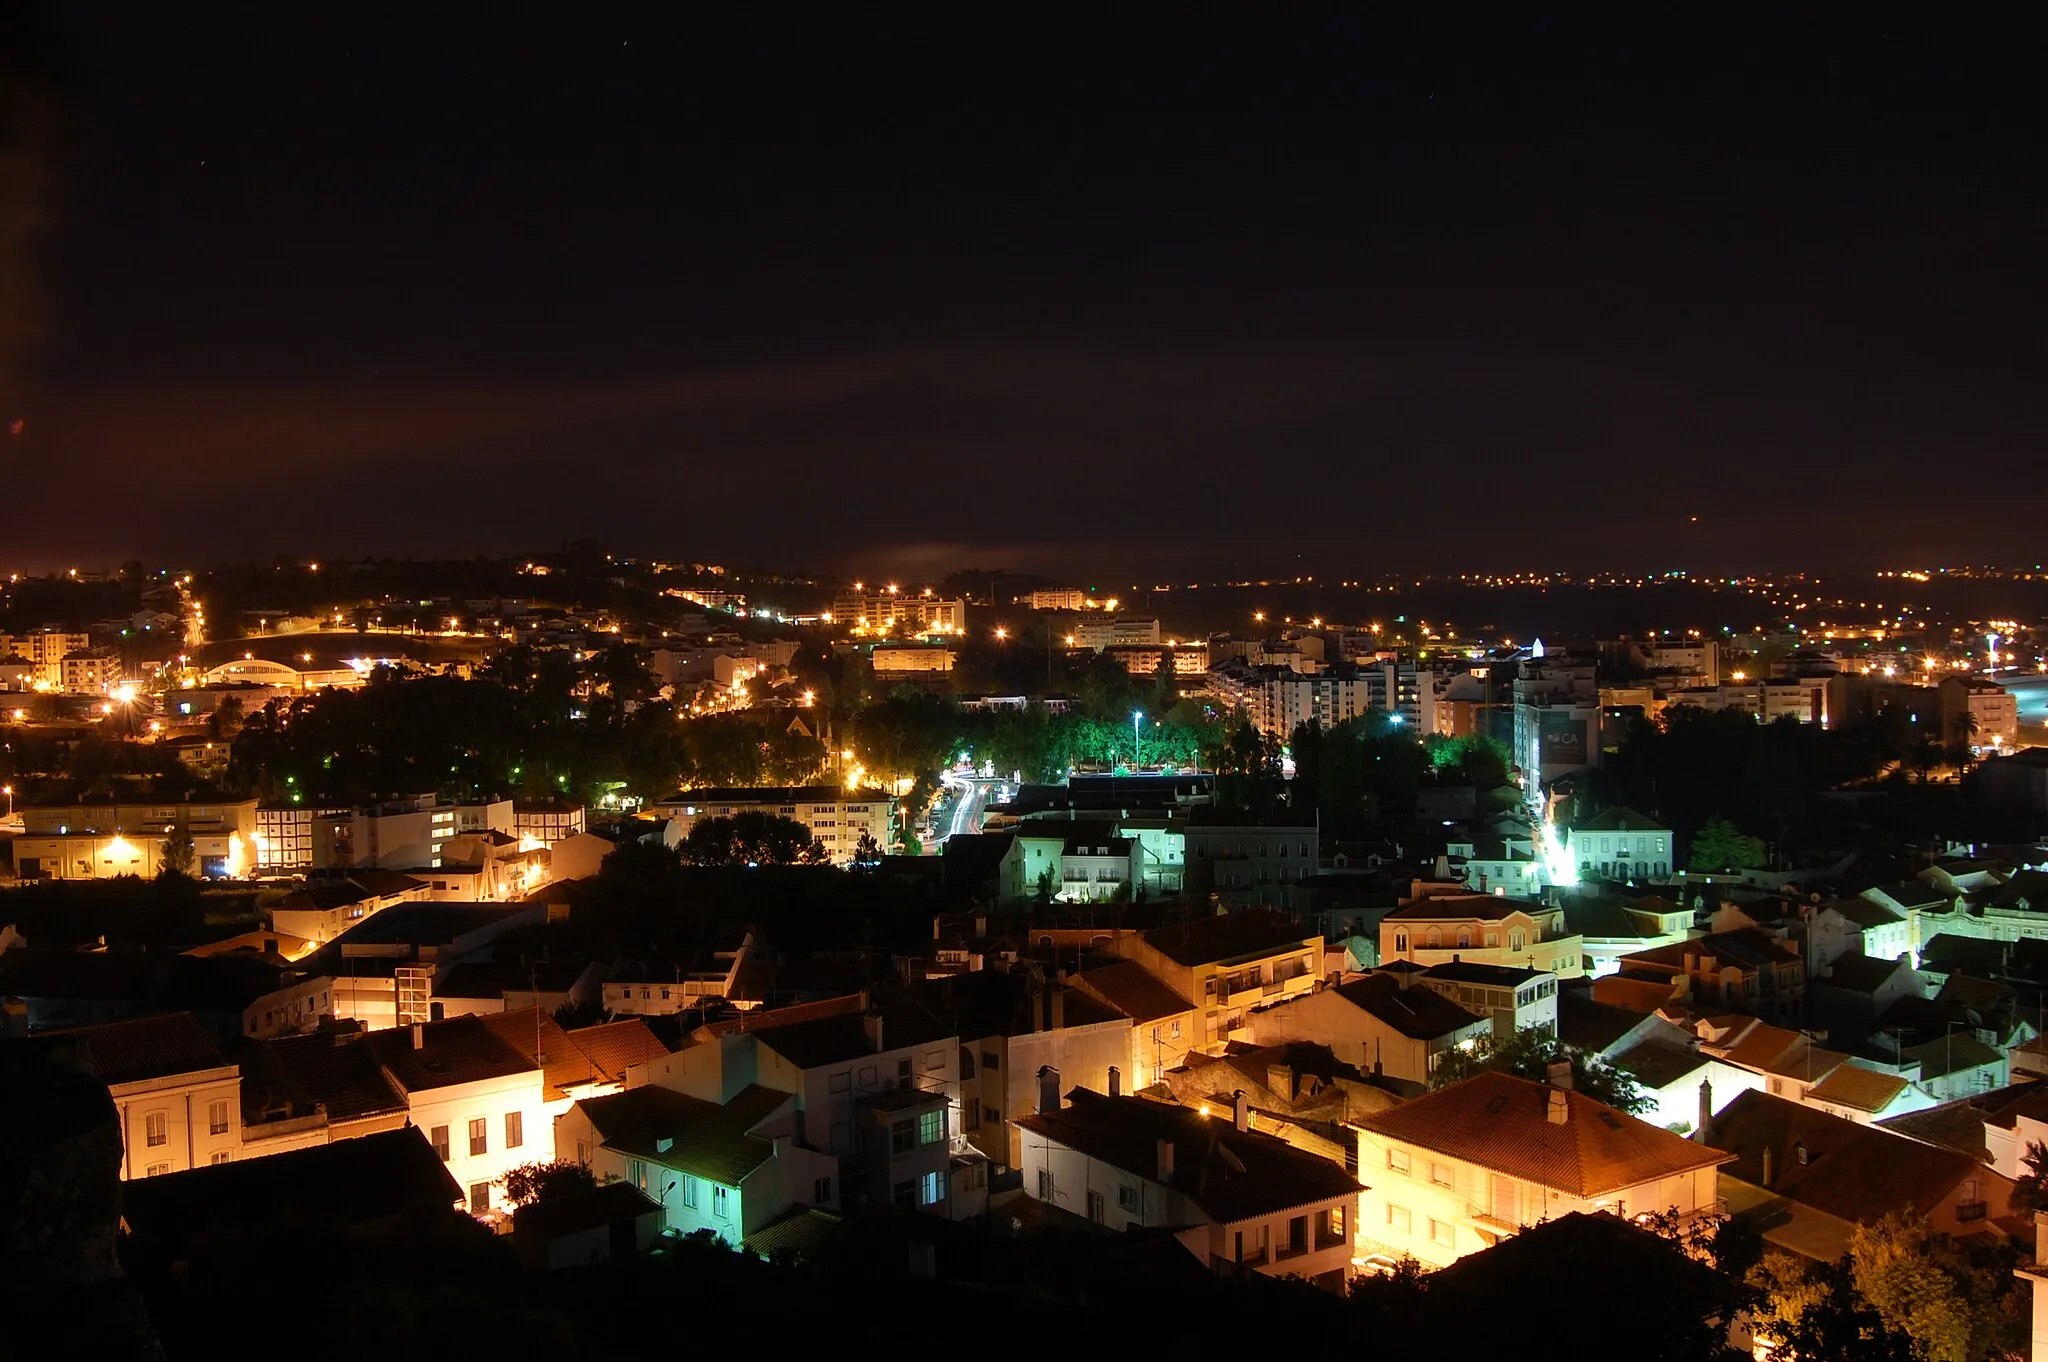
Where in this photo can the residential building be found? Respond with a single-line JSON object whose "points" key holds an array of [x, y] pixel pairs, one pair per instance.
{"points": [[1784, 1063], [1994, 711], [1556, 719], [323, 909], [401, 834], [1742, 971], [1229, 964], [837, 818], [1805, 1178], [1867, 1096], [1860, 926], [90, 672], [1852, 992], [638, 989], [1242, 1200], [1058, 598], [1165, 1027], [99, 840], [1503, 863], [178, 1099], [1182, 659], [235, 997], [1483, 929], [1096, 867], [1512, 997], [1466, 1166], [383, 967], [591, 1226], [283, 840], [544, 822], [1014, 1028], [45, 650], [1611, 929], [1241, 862], [885, 610], [1621, 844], [1377, 1024], [1118, 631], [729, 1167]]}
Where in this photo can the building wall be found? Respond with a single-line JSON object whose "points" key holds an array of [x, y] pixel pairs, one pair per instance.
{"points": [[1357, 1037], [837, 821], [179, 1111], [488, 1100]]}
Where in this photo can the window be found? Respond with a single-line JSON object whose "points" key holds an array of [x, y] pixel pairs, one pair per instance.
{"points": [[988, 1060], [216, 1118], [904, 1194], [1095, 1206], [156, 1170], [1397, 1160], [991, 1113], [931, 1126], [156, 1129], [1126, 1198], [479, 1137], [515, 1129], [1046, 1189], [721, 1202], [1441, 1174], [966, 1062], [222, 1156], [479, 1198], [933, 1190], [1297, 1234], [902, 1137], [1442, 1233], [821, 1191], [690, 1191], [1399, 1219], [438, 1136], [903, 1073]]}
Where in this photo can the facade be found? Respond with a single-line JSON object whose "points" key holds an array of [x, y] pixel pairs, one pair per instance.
{"points": [[96, 841], [1096, 867], [1376, 1025], [1462, 1168], [1859, 926], [1738, 971], [1058, 598], [1015, 1030], [91, 672], [1228, 965], [45, 651], [1994, 711], [1242, 864], [1182, 659], [1119, 631], [401, 834], [546, 822], [1243, 1201], [1511, 997], [836, 817], [1556, 718], [1621, 844], [1164, 1025], [885, 610], [1483, 929]]}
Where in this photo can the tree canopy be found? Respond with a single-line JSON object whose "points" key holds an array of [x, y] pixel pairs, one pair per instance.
{"points": [[1529, 1053]]}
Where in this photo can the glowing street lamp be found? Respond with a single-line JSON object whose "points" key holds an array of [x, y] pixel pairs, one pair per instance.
{"points": [[1137, 716], [1001, 633]]}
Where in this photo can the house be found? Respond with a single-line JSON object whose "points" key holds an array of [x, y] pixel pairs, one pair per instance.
{"points": [[596, 1225], [1240, 1200], [1784, 1063], [1096, 867], [178, 1098], [1014, 1027], [1866, 1096], [1515, 999], [1377, 1024], [1483, 928], [1242, 863], [1496, 863], [1164, 1025], [1853, 990], [326, 908], [1859, 926], [478, 986], [383, 967], [1610, 928], [97, 839], [655, 990], [1621, 844], [1466, 1166], [234, 996], [1804, 1178], [729, 1167], [858, 1073], [838, 818], [1742, 970], [481, 1101], [1297, 1090], [1228, 964], [616, 1049]]}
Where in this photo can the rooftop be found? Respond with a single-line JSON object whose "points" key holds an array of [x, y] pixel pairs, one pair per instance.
{"points": [[1478, 972], [1418, 1013], [1134, 991], [1657, 1065], [1859, 973], [1619, 820], [146, 1048], [612, 1047], [840, 1039], [703, 1138], [1226, 936], [1232, 1175], [1852, 1171], [1502, 1122], [1853, 1086], [1868, 914]]}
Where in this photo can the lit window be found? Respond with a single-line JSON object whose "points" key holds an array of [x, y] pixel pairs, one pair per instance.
{"points": [[156, 1129]]}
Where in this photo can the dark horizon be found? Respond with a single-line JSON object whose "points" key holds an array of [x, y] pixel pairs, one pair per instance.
{"points": [[702, 288]]}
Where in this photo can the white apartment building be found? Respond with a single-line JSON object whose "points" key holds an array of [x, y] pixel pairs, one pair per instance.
{"points": [[1121, 631], [179, 1100], [836, 817], [401, 834], [97, 841], [1058, 598], [1995, 710]]}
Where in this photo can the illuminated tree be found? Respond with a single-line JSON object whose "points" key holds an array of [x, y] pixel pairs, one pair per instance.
{"points": [[547, 1180], [1720, 845], [1529, 1053]]}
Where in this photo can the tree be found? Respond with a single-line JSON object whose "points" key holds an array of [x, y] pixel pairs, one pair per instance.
{"points": [[175, 854], [1811, 1312], [1720, 845], [2030, 1189], [1921, 1284], [751, 837], [866, 852], [1529, 1053], [547, 1180]]}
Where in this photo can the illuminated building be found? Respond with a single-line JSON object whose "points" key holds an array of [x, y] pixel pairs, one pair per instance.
{"points": [[836, 817], [1994, 710], [90, 672], [1123, 631], [45, 650], [179, 1100], [96, 841], [1485, 928], [546, 822], [904, 614], [1381, 1024], [401, 834], [1557, 719], [1058, 598]]}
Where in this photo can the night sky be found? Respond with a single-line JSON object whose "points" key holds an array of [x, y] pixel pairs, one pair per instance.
{"points": [[904, 297]]}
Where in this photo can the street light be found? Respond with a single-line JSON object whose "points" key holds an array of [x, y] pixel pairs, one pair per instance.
{"points": [[8, 790], [1137, 715]]}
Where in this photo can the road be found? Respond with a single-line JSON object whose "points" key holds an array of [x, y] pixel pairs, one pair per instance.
{"points": [[969, 796]]}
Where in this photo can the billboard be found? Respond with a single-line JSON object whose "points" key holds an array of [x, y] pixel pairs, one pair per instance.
{"points": [[1561, 738]]}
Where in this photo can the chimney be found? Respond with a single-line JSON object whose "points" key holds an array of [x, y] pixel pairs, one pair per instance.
{"points": [[1706, 1110], [1767, 1166], [1241, 1111], [1280, 1079], [1165, 1150], [1048, 1089], [1560, 1107], [1116, 1081], [663, 1142], [1558, 1074], [419, 1036]]}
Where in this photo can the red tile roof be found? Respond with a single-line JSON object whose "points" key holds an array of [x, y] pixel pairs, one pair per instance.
{"points": [[1502, 1122]]}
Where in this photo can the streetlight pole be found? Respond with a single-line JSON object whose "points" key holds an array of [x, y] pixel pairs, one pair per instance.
{"points": [[1136, 716]]}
